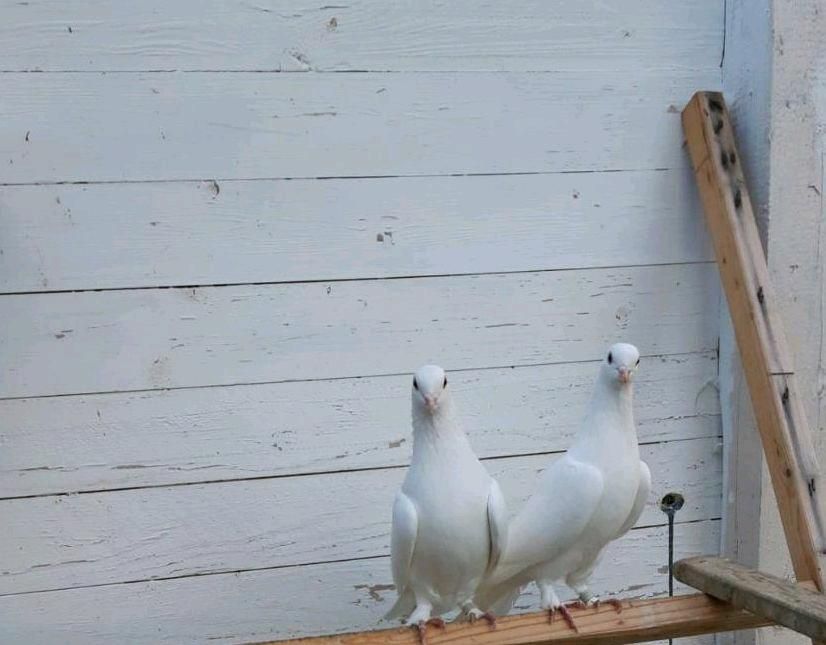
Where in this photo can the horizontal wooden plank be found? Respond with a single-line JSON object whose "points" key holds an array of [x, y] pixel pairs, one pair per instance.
{"points": [[162, 234], [126, 340], [775, 599], [112, 127], [294, 601], [68, 541], [178, 436], [361, 35], [636, 621]]}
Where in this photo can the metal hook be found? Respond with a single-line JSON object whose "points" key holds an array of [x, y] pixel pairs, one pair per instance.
{"points": [[670, 504]]}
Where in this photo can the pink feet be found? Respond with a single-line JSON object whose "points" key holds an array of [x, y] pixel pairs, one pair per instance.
{"points": [[565, 612], [422, 627], [566, 616], [489, 617], [616, 604]]}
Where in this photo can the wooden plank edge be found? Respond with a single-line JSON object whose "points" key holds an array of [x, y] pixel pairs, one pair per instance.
{"points": [[796, 606], [639, 621]]}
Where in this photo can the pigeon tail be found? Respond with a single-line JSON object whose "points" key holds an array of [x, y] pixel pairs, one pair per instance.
{"points": [[498, 598], [404, 605]]}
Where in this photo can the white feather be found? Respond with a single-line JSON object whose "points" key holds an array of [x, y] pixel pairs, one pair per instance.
{"points": [[449, 519], [593, 494]]}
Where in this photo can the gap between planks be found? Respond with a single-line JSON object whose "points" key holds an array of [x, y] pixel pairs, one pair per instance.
{"points": [[235, 571], [227, 180], [324, 378], [420, 276], [279, 567], [341, 471]]}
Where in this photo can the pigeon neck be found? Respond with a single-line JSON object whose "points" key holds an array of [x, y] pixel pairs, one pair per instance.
{"points": [[612, 394], [611, 410], [437, 428]]}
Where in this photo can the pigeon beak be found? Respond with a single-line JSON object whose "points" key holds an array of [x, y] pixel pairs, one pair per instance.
{"points": [[624, 374], [430, 402]]}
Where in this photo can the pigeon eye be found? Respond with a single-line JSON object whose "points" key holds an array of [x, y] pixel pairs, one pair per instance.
{"points": [[638, 361], [610, 358], [415, 385], [444, 385]]}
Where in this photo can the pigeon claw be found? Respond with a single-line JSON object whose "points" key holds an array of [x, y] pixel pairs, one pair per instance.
{"points": [[475, 614], [422, 628], [488, 616], [616, 604], [566, 616]]}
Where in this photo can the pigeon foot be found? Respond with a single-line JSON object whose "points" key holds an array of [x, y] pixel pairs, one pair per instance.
{"points": [[475, 614], [422, 628], [566, 616]]}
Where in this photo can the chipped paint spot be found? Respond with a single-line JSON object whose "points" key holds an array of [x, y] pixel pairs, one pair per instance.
{"points": [[373, 590]]}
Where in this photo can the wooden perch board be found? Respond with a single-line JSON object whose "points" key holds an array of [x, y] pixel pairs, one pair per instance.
{"points": [[788, 604], [766, 359], [639, 621]]}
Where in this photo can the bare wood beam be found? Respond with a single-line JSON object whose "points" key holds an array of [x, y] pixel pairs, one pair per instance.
{"points": [[788, 604], [639, 621], [767, 363]]}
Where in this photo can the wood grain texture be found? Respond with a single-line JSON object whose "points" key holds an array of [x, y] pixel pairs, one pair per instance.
{"points": [[163, 234], [768, 365], [638, 621], [69, 541], [779, 601], [117, 127], [128, 340], [361, 35], [288, 602], [178, 436]]}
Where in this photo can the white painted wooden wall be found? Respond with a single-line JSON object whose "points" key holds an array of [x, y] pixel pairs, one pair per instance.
{"points": [[221, 256]]}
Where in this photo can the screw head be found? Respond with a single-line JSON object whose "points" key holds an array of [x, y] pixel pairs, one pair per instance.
{"points": [[671, 502]]}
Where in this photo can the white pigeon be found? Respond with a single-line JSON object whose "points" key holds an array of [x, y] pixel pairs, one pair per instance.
{"points": [[449, 518], [592, 495]]}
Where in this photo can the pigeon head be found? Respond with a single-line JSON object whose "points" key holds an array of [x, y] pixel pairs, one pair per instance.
{"points": [[429, 385], [621, 362]]}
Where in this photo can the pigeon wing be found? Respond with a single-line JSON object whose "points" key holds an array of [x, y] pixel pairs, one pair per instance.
{"points": [[551, 521], [639, 501], [402, 545], [497, 525], [556, 515]]}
